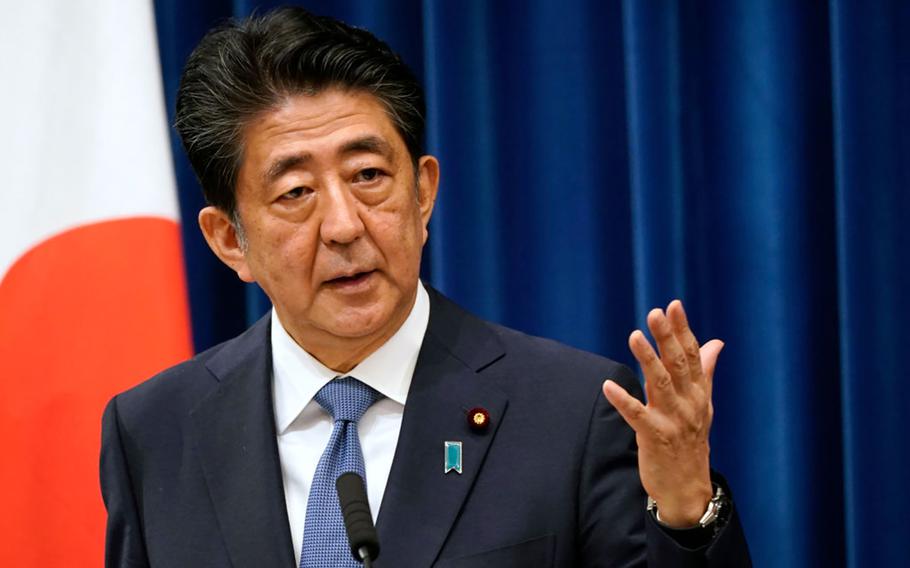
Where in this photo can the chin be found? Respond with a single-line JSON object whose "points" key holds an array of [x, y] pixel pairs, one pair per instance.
{"points": [[354, 323]]}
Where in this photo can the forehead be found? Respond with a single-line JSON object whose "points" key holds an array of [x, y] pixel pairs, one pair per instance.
{"points": [[319, 126]]}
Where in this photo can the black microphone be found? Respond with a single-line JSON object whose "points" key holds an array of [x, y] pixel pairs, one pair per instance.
{"points": [[358, 522]]}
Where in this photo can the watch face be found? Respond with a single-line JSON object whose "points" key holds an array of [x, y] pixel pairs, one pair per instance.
{"points": [[722, 509]]}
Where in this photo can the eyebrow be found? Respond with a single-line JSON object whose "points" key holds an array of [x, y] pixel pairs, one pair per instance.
{"points": [[282, 165], [370, 144]]}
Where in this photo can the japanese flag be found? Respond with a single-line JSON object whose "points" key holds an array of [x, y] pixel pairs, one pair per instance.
{"points": [[92, 291]]}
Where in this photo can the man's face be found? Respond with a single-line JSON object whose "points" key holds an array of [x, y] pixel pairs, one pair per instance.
{"points": [[334, 217]]}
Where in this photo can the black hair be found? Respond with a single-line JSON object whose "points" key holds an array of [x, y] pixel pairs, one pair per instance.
{"points": [[245, 67]]}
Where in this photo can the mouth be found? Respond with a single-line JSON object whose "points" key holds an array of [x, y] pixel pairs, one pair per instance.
{"points": [[350, 282]]}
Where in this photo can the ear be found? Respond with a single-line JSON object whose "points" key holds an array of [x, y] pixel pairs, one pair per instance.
{"points": [[427, 186], [221, 236]]}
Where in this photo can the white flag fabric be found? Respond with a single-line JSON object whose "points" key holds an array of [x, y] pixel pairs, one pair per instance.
{"points": [[92, 290]]}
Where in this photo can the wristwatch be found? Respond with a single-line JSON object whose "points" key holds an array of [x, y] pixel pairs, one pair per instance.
{"points": [[716, 507]]}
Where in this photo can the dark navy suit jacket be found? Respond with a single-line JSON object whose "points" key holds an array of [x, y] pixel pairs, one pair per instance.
{"points": [[191, 477]]}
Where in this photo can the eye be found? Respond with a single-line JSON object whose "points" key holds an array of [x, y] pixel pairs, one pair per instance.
{"points": [[296, 193], [368, 174]]}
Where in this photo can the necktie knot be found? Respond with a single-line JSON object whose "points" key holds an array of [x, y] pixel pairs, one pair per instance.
{"points": [[346, 398]]}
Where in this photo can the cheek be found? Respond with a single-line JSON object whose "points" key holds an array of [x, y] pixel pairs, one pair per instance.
{"points": [[398, 232], [298, 252], [285, 254]]}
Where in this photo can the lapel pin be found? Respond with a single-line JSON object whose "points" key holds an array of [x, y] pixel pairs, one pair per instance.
{"points": [[478, 419], [453, 457]]}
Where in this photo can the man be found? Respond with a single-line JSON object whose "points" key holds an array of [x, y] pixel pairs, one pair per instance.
{"points": [[481, 446]]}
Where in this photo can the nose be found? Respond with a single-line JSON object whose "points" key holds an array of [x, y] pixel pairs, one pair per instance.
{"points": [[341, 221]]}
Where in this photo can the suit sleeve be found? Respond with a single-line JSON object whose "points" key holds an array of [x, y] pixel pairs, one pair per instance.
{"points": [[124, 543], [614, 527]]}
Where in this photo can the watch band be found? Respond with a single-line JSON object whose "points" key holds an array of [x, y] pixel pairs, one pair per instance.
{"points": [[712, 513]]}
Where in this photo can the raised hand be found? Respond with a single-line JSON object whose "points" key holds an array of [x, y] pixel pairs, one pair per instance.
{"points": [[672, 428]]}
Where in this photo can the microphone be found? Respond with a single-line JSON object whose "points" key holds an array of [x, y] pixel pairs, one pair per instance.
{"points": [[358, 522]]}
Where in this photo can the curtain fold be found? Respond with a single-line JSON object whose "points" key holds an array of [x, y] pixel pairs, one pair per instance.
{"points": [[602, 158], [730, 150], [871, 86]]}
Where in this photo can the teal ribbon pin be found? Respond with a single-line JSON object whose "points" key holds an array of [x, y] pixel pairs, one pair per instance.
{"points": [[453, 457]]}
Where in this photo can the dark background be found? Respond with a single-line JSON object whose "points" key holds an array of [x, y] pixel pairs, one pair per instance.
{"points": [[602, 158]]}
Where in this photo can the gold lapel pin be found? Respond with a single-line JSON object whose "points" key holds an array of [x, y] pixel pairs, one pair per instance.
{"points": [[478, 419]]}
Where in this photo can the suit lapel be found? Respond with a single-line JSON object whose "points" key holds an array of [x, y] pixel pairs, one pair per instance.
{"points": [[235, 438], [421, 501]]}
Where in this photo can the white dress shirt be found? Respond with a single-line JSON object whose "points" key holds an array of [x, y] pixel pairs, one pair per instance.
{"points": [[304, 427]]}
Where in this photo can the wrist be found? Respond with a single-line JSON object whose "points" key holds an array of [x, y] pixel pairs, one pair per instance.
{"points": [[684, 512]]}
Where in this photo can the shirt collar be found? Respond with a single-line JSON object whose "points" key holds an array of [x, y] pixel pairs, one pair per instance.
{"points": [[298, 376]]}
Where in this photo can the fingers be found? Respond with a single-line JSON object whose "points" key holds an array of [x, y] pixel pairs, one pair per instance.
{"points": [[708, 356], [680, 362], [629, 407], [658, 382], [687, 341], [680, 365], [671, 351]]}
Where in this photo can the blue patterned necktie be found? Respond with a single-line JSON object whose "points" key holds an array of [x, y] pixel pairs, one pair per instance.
{"points": [[325, 543]]}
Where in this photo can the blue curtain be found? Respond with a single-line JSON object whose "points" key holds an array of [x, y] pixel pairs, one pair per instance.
{"points": [[601, 158]]}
